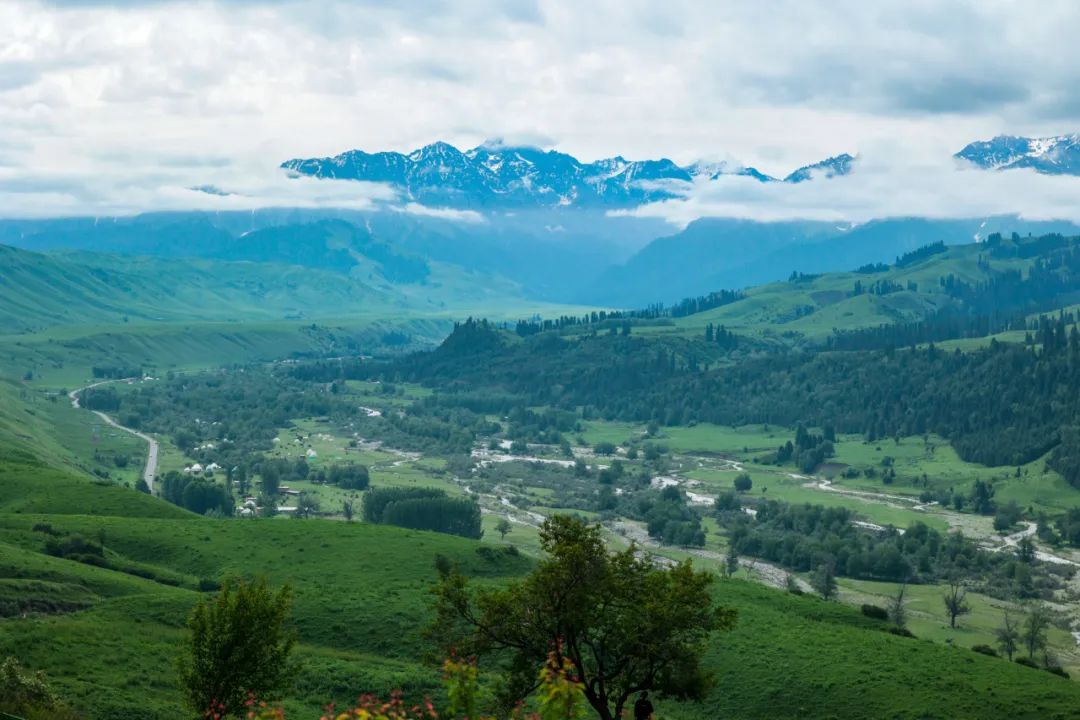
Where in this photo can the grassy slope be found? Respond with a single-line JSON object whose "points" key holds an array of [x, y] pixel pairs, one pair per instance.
{"points": [[771, 309], [359, 622]]}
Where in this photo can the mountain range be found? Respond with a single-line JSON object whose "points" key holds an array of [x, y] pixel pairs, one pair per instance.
{"points": [[494, 175], [1059, 155]]}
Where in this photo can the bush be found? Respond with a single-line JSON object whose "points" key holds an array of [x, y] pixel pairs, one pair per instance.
{"points": [[1028, 662], [743, 482], [985, 650], [902, 632], [1057, 670], [209, 585], [875, 612], [604, 448], [28, 694], [74, 547], [43, 527]]}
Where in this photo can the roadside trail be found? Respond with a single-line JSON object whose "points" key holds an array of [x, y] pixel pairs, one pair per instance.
{"points": [[152, 452]]}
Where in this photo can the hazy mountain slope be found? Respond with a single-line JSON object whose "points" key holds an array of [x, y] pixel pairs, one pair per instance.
{"points": [[548, 253], [39, 290], [715, 254]]}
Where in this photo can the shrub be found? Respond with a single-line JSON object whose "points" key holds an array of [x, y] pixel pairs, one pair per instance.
{"points": [[875, 612], [902, 632], [28, 694], [743, 482], [1057, 670], [74, 547], [604, 448], [985, 650], [1027, 662], [239, 643], [209, 585]]}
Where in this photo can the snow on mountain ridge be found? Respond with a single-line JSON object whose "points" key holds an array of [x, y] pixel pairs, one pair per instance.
{"points": [[1055, 155], [498, 174]]}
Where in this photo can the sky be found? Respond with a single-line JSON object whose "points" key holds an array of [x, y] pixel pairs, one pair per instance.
{"points": [[122, 107]]}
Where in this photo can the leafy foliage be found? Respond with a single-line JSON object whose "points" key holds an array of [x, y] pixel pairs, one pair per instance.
{"points": [[623, 624], [239, 645]]}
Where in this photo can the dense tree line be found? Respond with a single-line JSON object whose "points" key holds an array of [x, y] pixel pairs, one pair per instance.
{"points": [[806, 537], [809, 450], [423, 509], [116, 372], [198, 494], [1003, 405], [604, 318]]}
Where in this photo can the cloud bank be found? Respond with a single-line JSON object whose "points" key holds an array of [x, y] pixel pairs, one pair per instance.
{"points": [[122, 107]]}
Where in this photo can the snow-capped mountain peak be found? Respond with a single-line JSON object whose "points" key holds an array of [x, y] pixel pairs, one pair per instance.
{"points": [[1056, 155], [495, 174]]}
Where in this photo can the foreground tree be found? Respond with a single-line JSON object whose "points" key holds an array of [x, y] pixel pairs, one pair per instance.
{"points": [[29, 694], [239, 645], [503, 527], [956, 601], [621, 623]]}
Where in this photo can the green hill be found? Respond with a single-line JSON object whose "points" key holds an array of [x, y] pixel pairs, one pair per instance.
{"points": [[361, 601]]}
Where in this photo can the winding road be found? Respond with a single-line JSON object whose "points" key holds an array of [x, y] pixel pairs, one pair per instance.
{"points": [[152, 453]]}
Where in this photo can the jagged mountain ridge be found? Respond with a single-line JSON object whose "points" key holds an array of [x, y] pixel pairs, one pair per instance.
{"points": [[496, 175], [1058, 155]]}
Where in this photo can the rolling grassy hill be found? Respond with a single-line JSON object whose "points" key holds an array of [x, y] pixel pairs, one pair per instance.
{"points": [[813, 306], [361, 602]]}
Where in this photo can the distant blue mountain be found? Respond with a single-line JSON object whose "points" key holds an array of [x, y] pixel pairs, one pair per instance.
{"points": [[1058, 155], [496, 175]]}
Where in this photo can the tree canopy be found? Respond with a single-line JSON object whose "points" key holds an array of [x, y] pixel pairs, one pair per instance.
{"points": [[622, 622]]}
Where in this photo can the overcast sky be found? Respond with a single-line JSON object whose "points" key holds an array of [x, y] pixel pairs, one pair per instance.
{"points": [[119, 107]]}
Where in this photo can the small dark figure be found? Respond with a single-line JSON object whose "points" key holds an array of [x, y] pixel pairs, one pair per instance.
{"points": [[643, 709]]}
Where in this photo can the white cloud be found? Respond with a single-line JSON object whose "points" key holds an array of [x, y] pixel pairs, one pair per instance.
{"points": [[880, 186], [120, 106]]}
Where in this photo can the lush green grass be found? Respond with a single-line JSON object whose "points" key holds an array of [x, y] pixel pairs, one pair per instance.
{"points": [[361, 602], [361, 599], [772, 311], [927, 617], [800, 657]]}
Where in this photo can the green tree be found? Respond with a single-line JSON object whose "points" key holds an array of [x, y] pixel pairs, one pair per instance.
{"points": [[239, 643], [743, 482], [1034, 630], [956, 601], [731, 562], [347, 510], [503, 527], [270, 479], [307, 505], [623, 624], [1008, 635], [898, 607], [824, 580]]}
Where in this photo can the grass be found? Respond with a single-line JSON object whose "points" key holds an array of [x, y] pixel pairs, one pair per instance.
{"points": [[361, 600], [927, 617]]}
